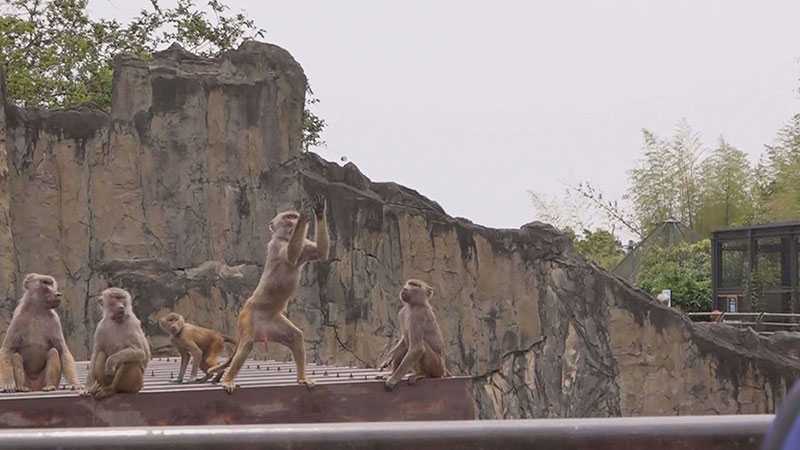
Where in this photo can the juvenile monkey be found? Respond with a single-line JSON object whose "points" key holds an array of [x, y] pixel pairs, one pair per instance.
{"points": [[121, 352], [34, 352], [421, 347], [202, 344], [262, 316]]}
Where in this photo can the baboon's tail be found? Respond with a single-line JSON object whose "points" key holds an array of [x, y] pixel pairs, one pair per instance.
{"points": [[223, 366]]}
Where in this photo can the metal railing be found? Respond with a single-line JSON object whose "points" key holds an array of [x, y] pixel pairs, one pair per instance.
{"points": [[651, 433], [763, 322]]}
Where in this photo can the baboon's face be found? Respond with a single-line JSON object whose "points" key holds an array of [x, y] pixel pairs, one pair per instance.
{"points": [[44, 289], [116, 304], [172, 323], [415, 292], [283, 224]]}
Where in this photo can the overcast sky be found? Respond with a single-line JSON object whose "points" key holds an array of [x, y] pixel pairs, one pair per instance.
{"points": [[474, 103]]}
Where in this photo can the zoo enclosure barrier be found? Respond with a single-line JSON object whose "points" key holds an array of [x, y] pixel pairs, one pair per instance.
{"points": [[652, 433]]}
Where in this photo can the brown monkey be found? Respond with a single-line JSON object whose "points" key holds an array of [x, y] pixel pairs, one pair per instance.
{"points": [[262, 317], [34, 352], [421, 347], [202, 344], [121, 352]]}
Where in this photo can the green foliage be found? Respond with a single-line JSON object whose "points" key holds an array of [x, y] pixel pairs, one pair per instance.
{"points": [[665, 184], [683, 268], [777, 188], [725, 194], [723, 190], [312, 124], [599, 246], [672, 180], [55, 55]]}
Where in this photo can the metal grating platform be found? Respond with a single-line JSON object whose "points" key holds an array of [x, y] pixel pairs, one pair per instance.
{"points": [[268, 393], [254, 373]]}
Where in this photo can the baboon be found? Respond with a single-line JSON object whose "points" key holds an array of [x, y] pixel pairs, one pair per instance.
{"points": [[262, 316], [34, 352], [121, 352], [202, 344], [422, 346]]}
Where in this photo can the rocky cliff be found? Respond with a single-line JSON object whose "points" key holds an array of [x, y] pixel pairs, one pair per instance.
{"points": [[169, 196]]}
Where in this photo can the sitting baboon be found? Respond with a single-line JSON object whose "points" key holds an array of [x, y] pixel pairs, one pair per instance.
{"points": [[121, 352], [34, 352], [422, 346]]}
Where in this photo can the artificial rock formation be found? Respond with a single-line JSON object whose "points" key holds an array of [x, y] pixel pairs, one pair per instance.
{"points": [[169, 196]]}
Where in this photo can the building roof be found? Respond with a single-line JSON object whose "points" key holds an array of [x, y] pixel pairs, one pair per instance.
{"points": [[669, 232], [763, 230]]}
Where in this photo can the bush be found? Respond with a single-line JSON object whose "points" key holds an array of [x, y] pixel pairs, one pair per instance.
{"points": [[683, 268]]}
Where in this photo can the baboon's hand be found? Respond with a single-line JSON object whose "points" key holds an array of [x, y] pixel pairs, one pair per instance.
{"points": [[318, 205], [305, 206], [302, 220], [10, 387], [103, 393], [89, 391]]}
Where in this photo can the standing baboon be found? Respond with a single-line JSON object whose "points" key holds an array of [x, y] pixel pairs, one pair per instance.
{"points": [[202, 344], [262, 317]]}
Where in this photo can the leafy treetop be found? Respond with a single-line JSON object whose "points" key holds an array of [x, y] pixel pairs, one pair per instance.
{"points": [[55, 55]]}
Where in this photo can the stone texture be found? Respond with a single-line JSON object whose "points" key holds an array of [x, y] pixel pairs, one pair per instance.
{"points": [[8, 264], [169, 196]]}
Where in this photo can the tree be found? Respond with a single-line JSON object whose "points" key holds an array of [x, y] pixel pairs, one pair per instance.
{"points": [[599, 246], [725, 193], [665, 184], [685, 154], [778, 189], [55, 55], [570, 213], [312, 124], [651, 191], [567, 212], [683, 268]]}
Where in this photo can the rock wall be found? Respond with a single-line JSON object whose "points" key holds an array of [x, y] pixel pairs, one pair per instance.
{"points": [[8, 266], [169, 196]]}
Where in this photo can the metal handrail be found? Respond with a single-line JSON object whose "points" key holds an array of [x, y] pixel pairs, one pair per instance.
{"points": [[757, 320], [743, 314], [653, 433]]}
